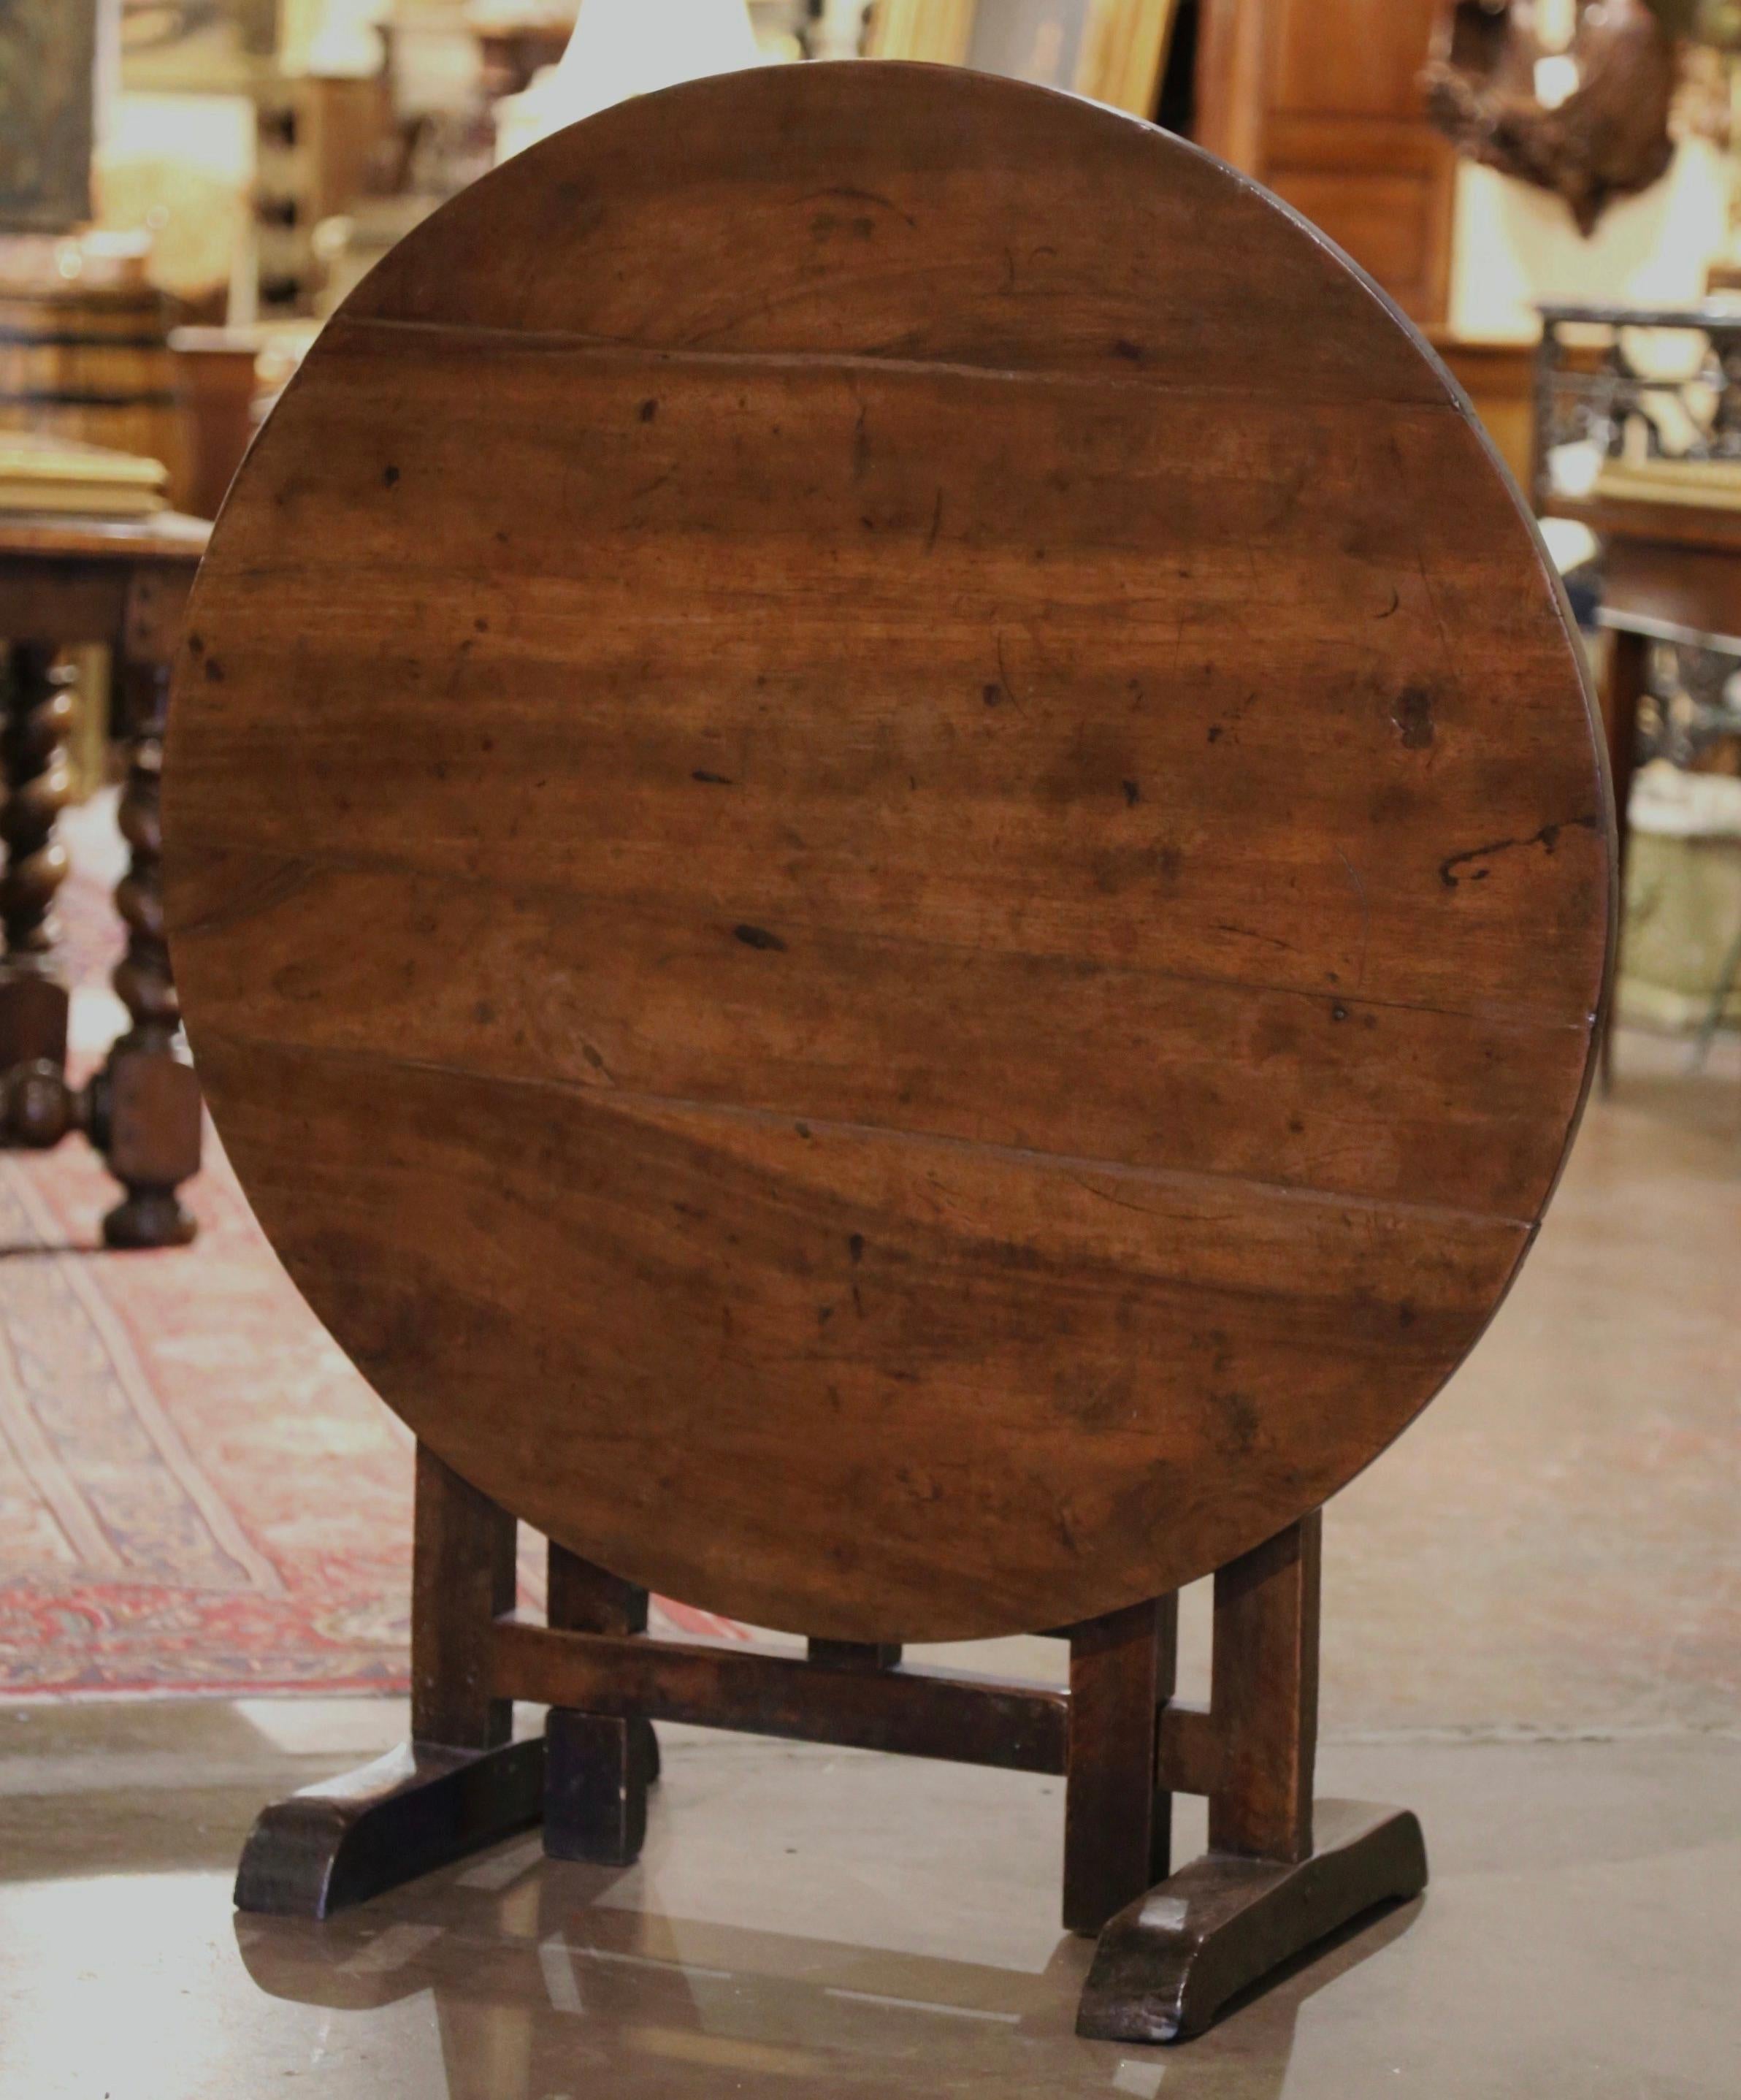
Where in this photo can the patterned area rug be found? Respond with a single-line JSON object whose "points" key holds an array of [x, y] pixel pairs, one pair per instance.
{"points": [[197, 1492]]}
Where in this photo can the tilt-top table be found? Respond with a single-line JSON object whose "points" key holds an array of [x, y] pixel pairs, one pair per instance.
{"points": [[891, 875]]}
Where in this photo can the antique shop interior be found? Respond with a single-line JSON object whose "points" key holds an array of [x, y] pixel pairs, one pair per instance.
{"points": [[829, 830]]}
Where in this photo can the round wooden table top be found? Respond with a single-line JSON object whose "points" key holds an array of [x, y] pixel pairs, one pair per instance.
{"points": [[886, 852]]}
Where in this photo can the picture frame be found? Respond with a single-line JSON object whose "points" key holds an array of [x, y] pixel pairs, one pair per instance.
{"points": [[196, 46], [1113, 52], [48, 66]]}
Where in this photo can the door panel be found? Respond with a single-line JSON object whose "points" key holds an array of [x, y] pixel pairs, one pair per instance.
{"points": [[1320, 99]]}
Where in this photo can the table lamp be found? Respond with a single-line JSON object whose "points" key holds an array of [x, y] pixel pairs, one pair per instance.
{"points": [[625, 47]]}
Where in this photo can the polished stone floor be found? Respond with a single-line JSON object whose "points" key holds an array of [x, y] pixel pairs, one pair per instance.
{"points": [[1532, 1636], [809, 1922]]}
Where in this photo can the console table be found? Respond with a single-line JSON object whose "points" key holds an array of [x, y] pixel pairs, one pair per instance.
{"points": [[1671, 570], [65, 581]]}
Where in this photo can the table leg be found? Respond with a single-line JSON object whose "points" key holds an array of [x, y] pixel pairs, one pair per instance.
{"points": [[598, 1767], [35, 719], [1623, 688], [147, 1100], [461, 1782], [1118, 1820], [1726, 978], [1278, 1875]]}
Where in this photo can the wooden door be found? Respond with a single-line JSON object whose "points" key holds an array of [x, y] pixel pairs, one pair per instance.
{"points": [[1320, 99]]}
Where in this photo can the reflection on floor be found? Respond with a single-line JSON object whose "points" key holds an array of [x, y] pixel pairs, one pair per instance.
{"points": [[1533, 1636], [808, 1923]]}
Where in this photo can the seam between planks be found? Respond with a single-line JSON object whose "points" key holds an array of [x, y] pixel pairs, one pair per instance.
{"points": [[623, 1098], [578, 341]]}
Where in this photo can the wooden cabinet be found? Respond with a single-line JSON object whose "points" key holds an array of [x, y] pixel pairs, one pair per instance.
{"points": [[1320, 99], [316, 140]]}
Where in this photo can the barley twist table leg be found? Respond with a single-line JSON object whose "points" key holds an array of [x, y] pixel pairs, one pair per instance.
{"points": [[141, 978], [148, 1099], [34, 723]]}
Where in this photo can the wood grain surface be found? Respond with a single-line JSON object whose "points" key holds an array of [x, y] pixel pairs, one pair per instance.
{"points": [[886, 852]]}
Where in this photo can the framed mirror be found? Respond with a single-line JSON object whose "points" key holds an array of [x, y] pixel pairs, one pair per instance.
{"points": [[1111, 50], [48, 57]]}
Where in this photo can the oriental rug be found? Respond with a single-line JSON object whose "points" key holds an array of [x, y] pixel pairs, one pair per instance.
{"points": [[198, 1494]]}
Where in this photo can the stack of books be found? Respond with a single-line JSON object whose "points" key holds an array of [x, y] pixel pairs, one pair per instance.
{"points": [[1704, 484], [43, 474]]}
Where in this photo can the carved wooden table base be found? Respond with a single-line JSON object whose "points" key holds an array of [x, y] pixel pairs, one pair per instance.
{"points": [[1173, 1947]]}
